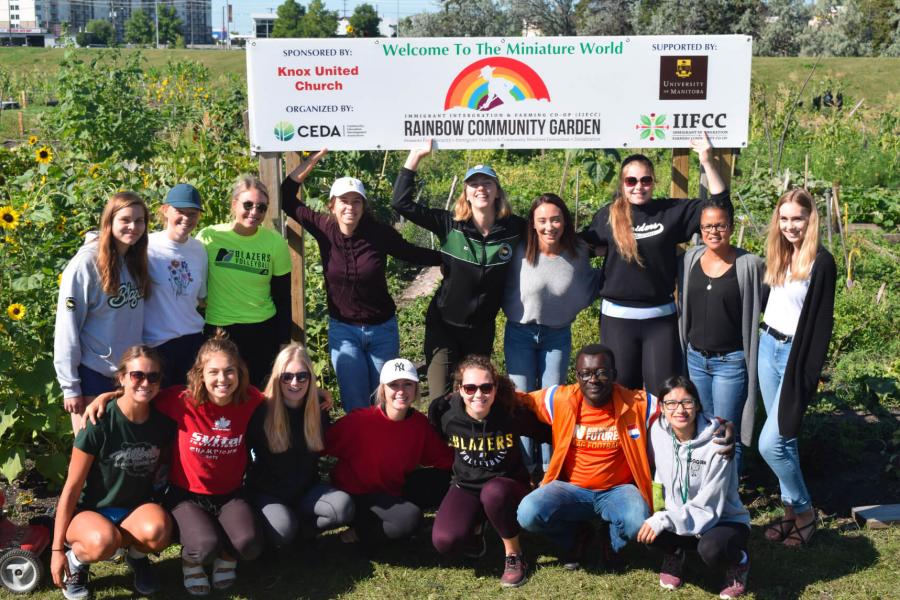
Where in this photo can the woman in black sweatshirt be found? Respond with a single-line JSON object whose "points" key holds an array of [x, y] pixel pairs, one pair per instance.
{"points": [[638, 316], [482, 421]]}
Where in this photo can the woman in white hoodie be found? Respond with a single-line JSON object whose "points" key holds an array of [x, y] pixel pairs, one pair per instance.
{"points": [[703, 511]]}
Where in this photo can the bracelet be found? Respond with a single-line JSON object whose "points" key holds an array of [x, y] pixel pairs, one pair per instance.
{"points": [[57, 549]]}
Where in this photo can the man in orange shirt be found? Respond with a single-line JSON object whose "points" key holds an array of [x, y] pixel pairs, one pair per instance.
{"points": [[599, 467]]}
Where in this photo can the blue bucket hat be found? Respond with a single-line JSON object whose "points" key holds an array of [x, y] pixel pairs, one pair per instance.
{"points": [[184, 195], [481, 170]]}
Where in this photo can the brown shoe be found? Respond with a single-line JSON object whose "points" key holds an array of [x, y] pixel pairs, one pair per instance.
{"points": [[514, 571]]}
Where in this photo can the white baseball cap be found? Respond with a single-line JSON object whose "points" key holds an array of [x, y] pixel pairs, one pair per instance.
{"points": [[398, 368], [345, 185]]}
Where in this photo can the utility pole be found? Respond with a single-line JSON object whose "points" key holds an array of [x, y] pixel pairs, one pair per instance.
{"points": [[156, 19]]}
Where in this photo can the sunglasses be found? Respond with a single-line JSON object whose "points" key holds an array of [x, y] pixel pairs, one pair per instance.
{"points": [[137, 377], [249, 206], [471, 388], [633, 181], [300, 376]]}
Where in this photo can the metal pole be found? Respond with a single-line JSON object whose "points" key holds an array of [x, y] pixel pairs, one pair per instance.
{"points": [[156, 19]]}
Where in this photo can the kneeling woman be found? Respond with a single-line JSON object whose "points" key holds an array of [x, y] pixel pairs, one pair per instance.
{"points": [[113, 466], [482, 421], [285, 436], [378, 450], [703, 511]]}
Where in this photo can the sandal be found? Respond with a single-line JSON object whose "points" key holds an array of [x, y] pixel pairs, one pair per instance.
{"points": [[778, 531], [801, 536], [195, 580], [224, 573]]}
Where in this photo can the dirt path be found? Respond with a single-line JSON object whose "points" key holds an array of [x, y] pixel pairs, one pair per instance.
{"points": [[424, 284]]}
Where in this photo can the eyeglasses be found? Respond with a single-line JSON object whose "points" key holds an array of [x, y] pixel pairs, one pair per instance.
{"points": [[685, 403], [601, 374], [471, 388], [300, 376], [249, 206], [633, 181], [152, 377], [714, 227], [476, 183]]}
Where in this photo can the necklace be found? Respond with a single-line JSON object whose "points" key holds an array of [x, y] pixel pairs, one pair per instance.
{"points": [[715, 275]]}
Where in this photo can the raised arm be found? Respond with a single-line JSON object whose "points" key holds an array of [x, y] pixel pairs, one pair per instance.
{"points": [[290, 187], [433, 219], [703, 148]]}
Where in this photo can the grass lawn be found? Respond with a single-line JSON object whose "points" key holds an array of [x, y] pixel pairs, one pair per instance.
{"points": [[842, 563]]}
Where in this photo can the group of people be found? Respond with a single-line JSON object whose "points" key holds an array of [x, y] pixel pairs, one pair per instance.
{"points": [[209, 428]]}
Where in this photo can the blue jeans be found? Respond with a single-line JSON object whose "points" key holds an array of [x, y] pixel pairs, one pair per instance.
{"points": [[779, 452], [537, 357], [357, 354], [722, 384], [556, 509]]}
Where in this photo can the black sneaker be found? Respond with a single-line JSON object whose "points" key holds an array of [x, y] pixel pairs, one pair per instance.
{"points": [[514, 571], [573, 559], [146, 582], [478, 548], [76, 584], [612, 561]]}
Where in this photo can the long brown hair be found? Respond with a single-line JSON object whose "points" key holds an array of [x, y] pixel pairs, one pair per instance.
{"points": [[139, 351], [277, 424], [462, 210], [505, 395], [568, 242], [135, 256], [620, 215], [196, 387], [779, 251]]}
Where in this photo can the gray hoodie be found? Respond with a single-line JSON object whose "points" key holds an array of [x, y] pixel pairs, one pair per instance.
{"points": [[92, 328], [712, 481]]}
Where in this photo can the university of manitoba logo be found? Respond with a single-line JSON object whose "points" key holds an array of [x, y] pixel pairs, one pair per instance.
{"points": [[683, 77], [222, 424]]}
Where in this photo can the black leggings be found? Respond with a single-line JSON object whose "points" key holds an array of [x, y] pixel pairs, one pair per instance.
{"points": [[381, 517], [446, 345], [720, 547], [647, 351], [258, 344]]}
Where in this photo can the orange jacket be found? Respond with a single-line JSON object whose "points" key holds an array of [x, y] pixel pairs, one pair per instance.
{"points": [[558, 406]]}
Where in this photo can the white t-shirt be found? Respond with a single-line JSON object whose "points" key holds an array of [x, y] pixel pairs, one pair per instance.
{"points": [[178, 279], [785, 303]]}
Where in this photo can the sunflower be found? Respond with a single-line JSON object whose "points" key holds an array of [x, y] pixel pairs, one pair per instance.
{"points": [[43, 155], [58, 279], [16, 311], [94, 170], [32, 140], [9, 217]]}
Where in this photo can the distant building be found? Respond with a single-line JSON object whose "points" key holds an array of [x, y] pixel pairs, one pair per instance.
{"points": [[263, 23]]}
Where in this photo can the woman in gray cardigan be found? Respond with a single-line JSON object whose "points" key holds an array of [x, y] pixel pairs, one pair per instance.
{"points": [[720, 288]]}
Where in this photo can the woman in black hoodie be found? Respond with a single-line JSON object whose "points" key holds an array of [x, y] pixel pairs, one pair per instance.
{"points": [[482, 421]]}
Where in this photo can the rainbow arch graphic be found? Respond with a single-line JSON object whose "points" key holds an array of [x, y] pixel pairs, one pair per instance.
{"points": [[470, 89]]}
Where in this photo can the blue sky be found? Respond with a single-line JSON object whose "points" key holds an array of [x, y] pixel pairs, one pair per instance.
{"points": [[243, 8]]}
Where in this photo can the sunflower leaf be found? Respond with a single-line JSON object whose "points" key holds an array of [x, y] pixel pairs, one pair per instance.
{"points": [[29, 282]]}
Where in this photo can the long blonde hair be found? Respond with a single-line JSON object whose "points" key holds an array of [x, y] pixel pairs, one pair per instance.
{"points": [[135, 256], [620, 215], [779, 251], [245, 183], [277, 424], [196, 387], [462, 210]]}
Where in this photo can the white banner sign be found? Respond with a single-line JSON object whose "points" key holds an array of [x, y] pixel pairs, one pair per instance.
{"points": [[544, 92]]}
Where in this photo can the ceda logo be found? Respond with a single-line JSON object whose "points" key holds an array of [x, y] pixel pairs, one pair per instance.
{"points": [[284, 131]]}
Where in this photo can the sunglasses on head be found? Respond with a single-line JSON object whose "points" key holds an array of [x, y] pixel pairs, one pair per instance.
{"points": [[137, 377], [471, 388], [300, 376], [249, 206], [633, 181]]}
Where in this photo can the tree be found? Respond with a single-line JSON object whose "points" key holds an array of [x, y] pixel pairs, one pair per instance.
{"points": [[461, 18], [709, 17], [784, 23], [169, 25], [606, 17], [97, 31], [319, 22], [840, 30], [364, 22], [289, 23], [549, 17], [139, 28]]}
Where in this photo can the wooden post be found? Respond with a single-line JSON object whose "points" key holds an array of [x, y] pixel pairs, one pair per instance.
{"points": [[21, 124], [680, 168], [270, 175], [24, 100], [294, 233]]}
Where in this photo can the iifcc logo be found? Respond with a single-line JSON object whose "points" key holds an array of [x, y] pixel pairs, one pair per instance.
{"points": [[284, 131]]}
